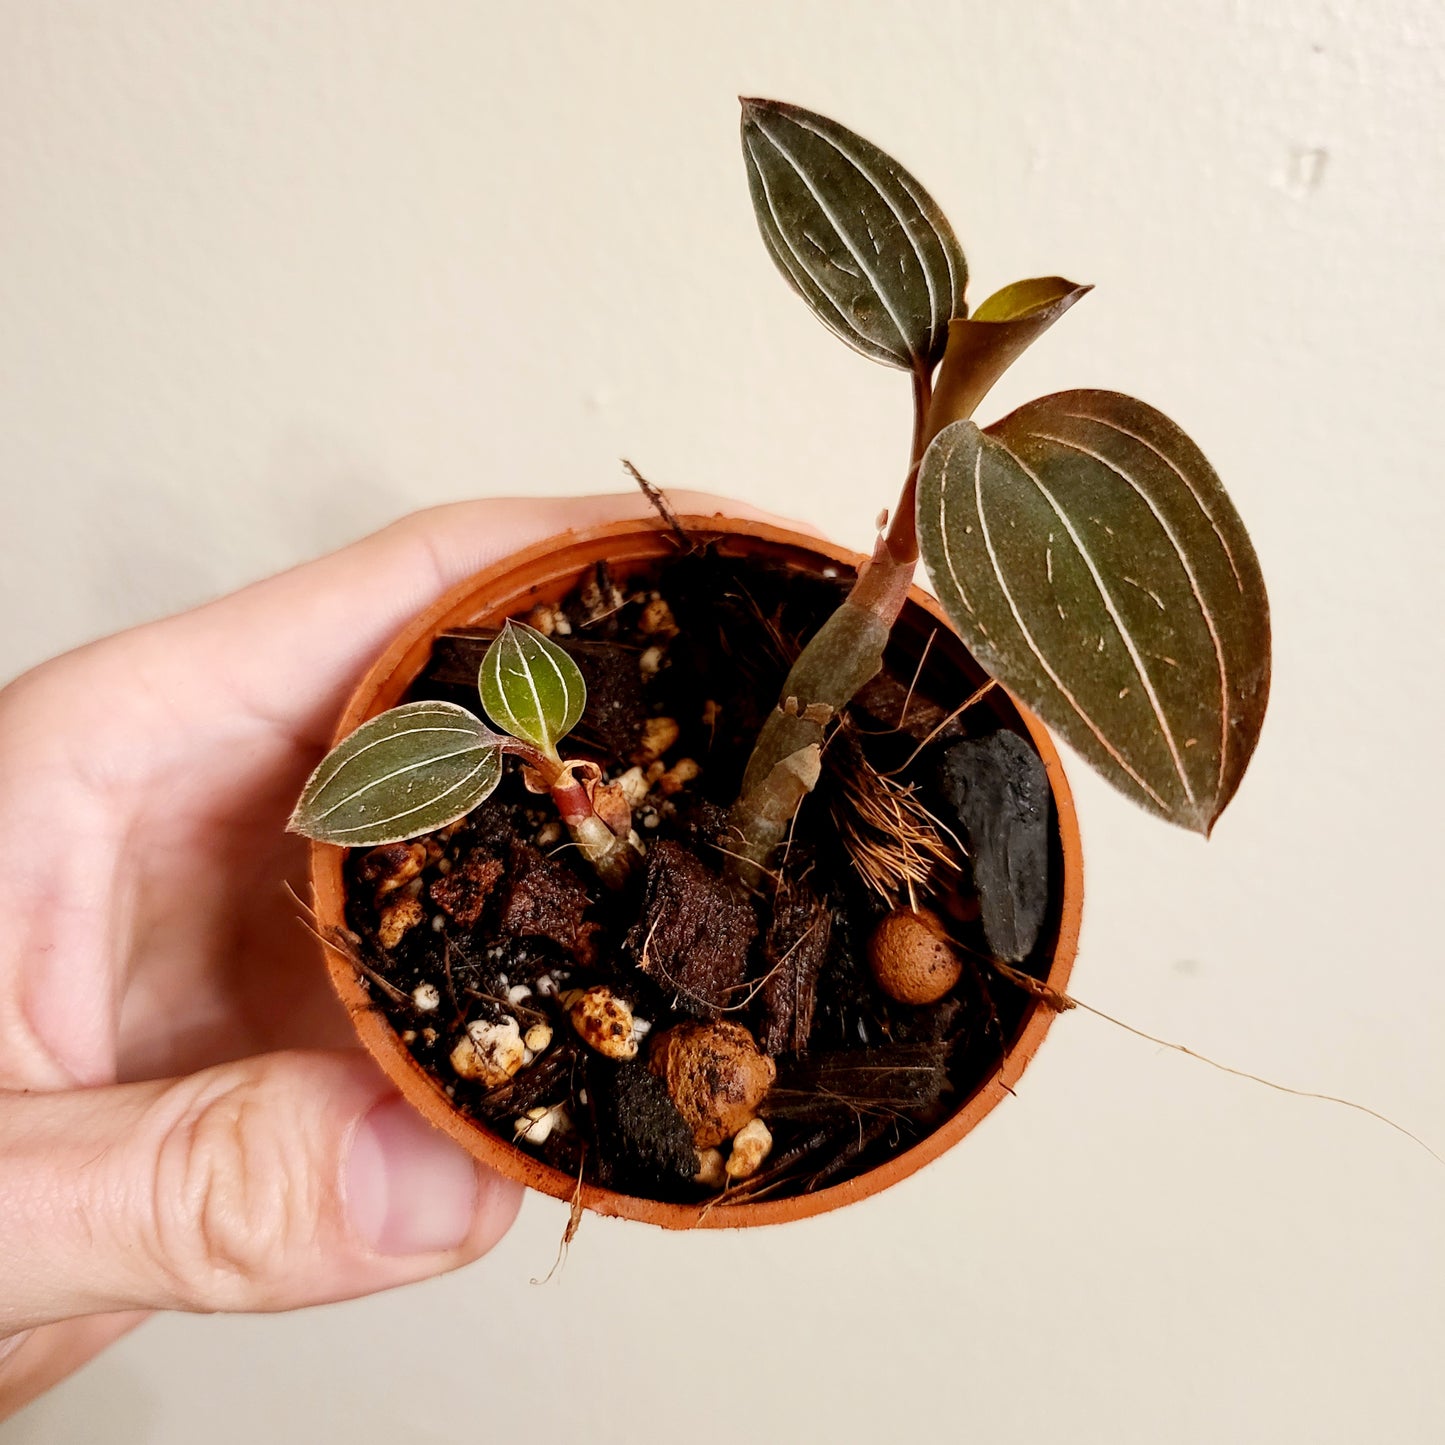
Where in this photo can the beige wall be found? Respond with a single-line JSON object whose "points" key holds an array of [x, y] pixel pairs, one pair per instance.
{"points": [[271, 274]]}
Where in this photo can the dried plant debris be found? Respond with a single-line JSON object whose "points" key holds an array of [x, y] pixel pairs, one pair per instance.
{"points": [[896, 844], [891, 1079], [694, 934], [462, 891], [678, 1038], [545, 899], [794, 952]]}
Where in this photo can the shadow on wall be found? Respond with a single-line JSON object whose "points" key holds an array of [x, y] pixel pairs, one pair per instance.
{"points": [[156, 551], [139, 549], [107, 1389]]}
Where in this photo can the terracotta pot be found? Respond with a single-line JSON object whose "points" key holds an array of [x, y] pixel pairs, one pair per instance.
{"points": [[546, 573]]}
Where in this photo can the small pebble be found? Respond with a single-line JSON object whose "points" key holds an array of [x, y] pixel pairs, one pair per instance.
{"points": [[634, 784], [658, 735], [752, 1144], [396, 919], [536, 1125], [678, 776], [489, 1053], [711, 1171], [603, 1022], [656, 619], [543, 619]]}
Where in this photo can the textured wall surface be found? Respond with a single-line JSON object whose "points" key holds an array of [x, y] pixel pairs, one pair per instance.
{"points": [[272, 274]]}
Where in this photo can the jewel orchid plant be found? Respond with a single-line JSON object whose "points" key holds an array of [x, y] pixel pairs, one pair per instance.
{"points": [[425, 765], [1082, 546]]}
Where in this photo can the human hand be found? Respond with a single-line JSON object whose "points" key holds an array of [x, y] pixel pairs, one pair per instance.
{"points": [[172, 1133]]}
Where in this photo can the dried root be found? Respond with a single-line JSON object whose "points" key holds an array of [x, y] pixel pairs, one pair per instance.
{"points": [[898, 846]]}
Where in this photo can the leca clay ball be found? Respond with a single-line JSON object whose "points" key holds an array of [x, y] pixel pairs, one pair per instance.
{"points": [[716, 1075], [911, 958]]}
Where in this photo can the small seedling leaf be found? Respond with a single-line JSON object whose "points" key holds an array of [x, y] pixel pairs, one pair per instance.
{"points": [[853, 234], [1095, 566], [409, 771], [530, 688]]}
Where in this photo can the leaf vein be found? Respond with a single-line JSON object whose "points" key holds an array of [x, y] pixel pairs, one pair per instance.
{"points": [[1178, 472], [374, 823], [832, 317], [923, 265], [855, 250], [427, 762], [1109, 606], [1194, 585]]}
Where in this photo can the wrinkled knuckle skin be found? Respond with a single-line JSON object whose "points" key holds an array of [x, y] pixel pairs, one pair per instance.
{"points": [[234, 1199]]}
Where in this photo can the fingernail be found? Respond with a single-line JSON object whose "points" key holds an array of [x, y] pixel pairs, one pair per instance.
{"points": [[409, 1189]]}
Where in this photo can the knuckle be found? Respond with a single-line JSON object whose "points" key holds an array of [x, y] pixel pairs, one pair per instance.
{"points": [[234, 1199]]}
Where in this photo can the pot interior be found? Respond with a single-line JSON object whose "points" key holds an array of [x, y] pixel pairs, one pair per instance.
{"points": [[922, 648]]}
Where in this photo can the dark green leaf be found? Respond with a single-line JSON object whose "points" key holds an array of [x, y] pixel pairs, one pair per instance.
{"points": [[854, 234], [531, 688], [411, 770], [981, 348], [1094, 565]]}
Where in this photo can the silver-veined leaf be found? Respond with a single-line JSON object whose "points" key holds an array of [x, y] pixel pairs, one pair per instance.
{"points": [[531, 688], [408, 771], [1095, 566], [854, 234]]}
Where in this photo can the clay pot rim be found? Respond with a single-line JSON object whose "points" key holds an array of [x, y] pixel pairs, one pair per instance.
{"points": [[421, 1089]]}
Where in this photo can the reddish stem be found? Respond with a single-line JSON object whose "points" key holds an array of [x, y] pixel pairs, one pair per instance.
{"points": [[902, 537]]}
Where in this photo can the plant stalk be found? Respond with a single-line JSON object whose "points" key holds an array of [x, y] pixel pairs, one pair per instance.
{"points": [[839, 659], [606, 847]]}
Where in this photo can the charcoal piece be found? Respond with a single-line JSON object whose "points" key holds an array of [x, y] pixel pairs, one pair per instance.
{"points": [[545, 899], [644, 1145], [794, 952], [694, 933], [1000, 790], [464, 891]]}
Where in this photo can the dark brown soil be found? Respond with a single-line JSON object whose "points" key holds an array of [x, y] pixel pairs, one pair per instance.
{"points": [[510, 918]]}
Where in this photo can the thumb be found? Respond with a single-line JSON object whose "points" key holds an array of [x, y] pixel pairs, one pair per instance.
{"points": [[291, 1179]]}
